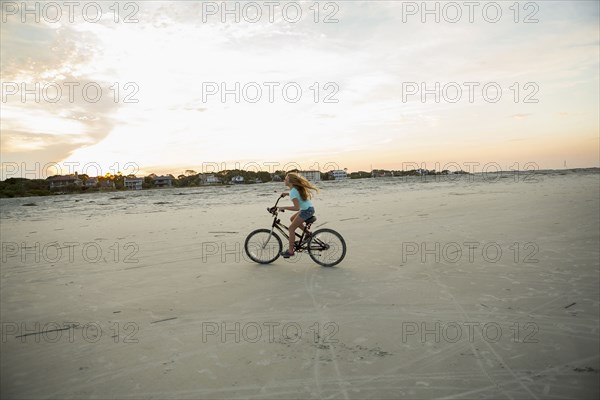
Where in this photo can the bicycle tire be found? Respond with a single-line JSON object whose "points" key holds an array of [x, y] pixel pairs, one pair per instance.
{"points": [[327, 244], [253, 249]]}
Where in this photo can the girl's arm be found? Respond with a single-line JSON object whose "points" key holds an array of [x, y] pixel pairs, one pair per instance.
{"points": [[295, 207]]}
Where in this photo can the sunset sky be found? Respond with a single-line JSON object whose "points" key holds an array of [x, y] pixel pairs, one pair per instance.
{"points": [[369, 56]]}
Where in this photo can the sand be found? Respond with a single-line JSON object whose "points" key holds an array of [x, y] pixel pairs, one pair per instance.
{"points": [[506, 305]]}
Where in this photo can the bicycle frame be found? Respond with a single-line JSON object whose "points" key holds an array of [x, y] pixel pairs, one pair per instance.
{"points": [[283, 229]]}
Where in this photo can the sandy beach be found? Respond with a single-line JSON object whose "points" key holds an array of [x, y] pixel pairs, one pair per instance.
{"points": [[471, 288]]}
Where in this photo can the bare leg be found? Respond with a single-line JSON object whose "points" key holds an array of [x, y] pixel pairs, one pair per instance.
{"points": [[292, 232], [294, 217]]}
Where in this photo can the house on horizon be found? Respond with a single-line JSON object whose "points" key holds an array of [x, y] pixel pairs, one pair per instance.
{"points": [[133, 183], [338, 174], [59, 181], [209, 179], [106, 184], [312, 175], [163, 181], [237, 179], [95, 182], [91, 182]]}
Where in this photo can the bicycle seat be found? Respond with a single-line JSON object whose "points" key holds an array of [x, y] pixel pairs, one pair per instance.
{"points": [[311, 220]]}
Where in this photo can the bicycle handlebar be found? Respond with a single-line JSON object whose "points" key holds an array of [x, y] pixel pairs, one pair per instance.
{"points": [[273, 209]]}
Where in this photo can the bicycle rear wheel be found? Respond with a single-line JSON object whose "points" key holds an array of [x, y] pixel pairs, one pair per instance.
{"points": [[327, 247], [262, 246]]}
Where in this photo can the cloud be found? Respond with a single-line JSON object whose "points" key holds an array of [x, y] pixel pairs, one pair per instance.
{"points": [[55, 62], [369, 54]]}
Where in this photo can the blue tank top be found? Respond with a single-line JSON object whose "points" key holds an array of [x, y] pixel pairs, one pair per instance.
{"points": [[304, 204]]}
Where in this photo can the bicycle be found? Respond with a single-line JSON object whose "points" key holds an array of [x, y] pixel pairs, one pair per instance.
{"points": [[325, 246]]}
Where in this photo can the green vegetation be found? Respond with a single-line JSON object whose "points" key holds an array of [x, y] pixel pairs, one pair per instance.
{"points": [[22, 187], [359, 175]]}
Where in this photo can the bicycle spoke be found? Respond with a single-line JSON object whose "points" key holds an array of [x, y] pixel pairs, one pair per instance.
{"points": [[263, 246], [327, 247]]}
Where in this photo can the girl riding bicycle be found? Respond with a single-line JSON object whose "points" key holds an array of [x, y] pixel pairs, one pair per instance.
{"points": [[300, 194]]}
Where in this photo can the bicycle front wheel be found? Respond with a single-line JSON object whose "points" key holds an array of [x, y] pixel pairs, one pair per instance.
{"points": [[263, 246], [327, 247]]}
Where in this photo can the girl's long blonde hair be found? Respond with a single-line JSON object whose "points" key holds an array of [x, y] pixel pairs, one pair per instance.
{"points": [[302, 184]]}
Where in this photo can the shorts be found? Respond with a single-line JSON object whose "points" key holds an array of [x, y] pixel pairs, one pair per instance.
{"points": [[306, 214]]}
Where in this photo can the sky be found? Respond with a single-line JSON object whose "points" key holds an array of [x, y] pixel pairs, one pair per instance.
{"points": [[346, 84]]}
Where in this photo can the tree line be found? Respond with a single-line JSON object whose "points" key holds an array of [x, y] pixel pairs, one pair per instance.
{"points": [[23, 187]]}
